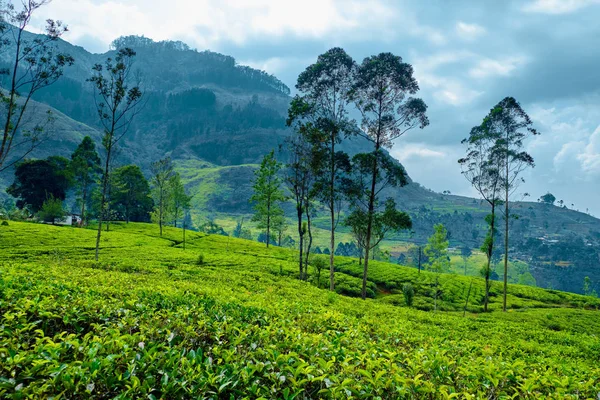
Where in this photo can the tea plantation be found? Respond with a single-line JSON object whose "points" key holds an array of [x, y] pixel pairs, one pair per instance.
{"points": [[226, 318]]}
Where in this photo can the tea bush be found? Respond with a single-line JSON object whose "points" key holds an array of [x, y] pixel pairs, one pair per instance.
{"points": [[146, 322]]}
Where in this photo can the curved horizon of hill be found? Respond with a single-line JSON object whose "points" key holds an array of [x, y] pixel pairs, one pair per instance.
{"points": [[217, 119]]}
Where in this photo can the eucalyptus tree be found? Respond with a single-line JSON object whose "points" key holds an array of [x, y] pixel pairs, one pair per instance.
{"points": [[382, 92], [323, 101], [33, 64], [511, 126], [481, 168], [163, 177], [118, 100]]}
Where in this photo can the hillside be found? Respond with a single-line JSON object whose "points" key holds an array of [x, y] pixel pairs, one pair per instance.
{"points": [[226, 318], [216, 119]]}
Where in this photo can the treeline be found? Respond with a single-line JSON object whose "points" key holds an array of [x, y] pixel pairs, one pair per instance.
{"points": [[209, 67]]}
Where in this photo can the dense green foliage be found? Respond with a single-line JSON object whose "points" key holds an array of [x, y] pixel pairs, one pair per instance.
{"points": [[148, 321], [39, 180]]}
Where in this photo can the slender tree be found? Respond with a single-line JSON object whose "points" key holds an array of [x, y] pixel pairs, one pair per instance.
{"points": [[511, 126], [267, 194], [381, 93], [481, 168], [162, 178], [300, 179], [85, 164], [436, 250], [33, 65], [323, 101], [465, 253], [118, 100]]}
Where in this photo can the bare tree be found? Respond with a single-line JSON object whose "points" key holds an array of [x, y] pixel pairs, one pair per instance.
{"points": [[35, 64], [118, 100]]}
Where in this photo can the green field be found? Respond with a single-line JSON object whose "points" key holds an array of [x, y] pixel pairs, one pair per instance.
{"points": [[227, 318]]}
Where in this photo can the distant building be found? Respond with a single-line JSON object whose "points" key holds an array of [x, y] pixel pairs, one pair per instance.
{"points": [[69, 220]]}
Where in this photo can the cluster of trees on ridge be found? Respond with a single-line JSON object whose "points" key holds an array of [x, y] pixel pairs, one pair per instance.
{"points": [[380, 89]]}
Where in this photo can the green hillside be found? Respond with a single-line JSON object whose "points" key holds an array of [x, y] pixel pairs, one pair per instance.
{"points": [[216, 119], [226, 318]]}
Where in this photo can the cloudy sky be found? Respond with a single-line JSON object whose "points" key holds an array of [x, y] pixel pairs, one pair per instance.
{"points": [[467, 56]]}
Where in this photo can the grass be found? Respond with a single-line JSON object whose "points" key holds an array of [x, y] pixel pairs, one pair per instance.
{"points": [[148, 321]]}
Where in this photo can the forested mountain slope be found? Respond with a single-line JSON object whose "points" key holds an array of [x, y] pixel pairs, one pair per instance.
{"points": [[217, 119]]}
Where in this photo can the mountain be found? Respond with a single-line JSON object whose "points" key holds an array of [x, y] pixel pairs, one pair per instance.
{"points": [[217, 119]]}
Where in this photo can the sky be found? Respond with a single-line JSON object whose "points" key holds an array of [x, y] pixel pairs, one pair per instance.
{"points": [[467, 56]]}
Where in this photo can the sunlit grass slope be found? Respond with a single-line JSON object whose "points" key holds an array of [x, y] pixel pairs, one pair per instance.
{"points": [[226, 318]]}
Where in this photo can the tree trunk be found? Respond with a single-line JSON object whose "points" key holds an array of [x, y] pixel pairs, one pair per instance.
{"points": [[332, 210], [490, 252], [83, 198], [301, 240], [268, 223], [370, 223], [103, 200], [467, 301], [183, 223], [505, 240], [309, 244]]}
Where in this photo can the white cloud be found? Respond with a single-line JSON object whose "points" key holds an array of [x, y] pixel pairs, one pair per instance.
{"points": [[489, 67], [469, 31], [557, 6], [207, 23], [590, 156], [447, 90]]}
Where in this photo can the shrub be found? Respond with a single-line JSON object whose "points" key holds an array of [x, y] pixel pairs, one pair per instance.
{"points": [[52, 209], [409, 293], [200, 260], [4, 223]]}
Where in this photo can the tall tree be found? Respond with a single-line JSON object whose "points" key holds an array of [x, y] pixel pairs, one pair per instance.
{"points": [[323, 101], [481, 168], [511, 126], [85, 164], [33, 65], [39, 180], [118, 100], [381, 93], [267, 194], [131, 195], [162, 178]]}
